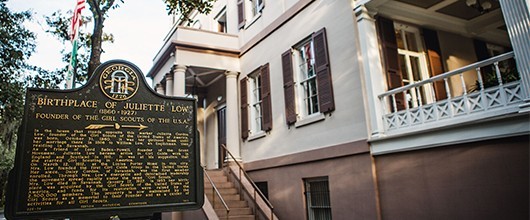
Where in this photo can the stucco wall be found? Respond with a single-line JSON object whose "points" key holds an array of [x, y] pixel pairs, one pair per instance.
{"points": [[349, 173], [347, 123], [481, 180]]}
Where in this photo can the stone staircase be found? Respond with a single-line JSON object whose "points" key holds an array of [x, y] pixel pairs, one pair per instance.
{"points": [[239, 209]]}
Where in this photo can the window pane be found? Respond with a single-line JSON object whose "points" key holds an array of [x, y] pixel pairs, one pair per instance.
{"points": [[308, 77], [399, 39], [412, 43], [403, 65], [318, 199]]}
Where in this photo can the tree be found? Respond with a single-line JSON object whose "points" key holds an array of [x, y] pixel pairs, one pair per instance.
{"points": [[16, 46], [99, 9]]}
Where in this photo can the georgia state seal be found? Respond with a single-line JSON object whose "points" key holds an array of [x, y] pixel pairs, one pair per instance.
{"points": [[119, 82]]}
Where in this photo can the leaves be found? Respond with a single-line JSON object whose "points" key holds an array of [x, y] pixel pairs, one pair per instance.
{"points": [[184, 8]]}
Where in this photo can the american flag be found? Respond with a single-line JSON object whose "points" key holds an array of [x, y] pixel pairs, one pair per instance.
{"points": [[74, 30], [76, 19]]}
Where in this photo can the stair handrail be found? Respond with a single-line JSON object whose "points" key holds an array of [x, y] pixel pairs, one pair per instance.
{"points": [[216, 191], [256, 189]]}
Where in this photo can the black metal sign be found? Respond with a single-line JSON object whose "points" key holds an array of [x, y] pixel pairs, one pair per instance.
{"points": [[112, 147]]}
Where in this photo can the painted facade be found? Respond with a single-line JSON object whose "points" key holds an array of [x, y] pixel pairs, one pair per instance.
{"points": [[398, 109]]}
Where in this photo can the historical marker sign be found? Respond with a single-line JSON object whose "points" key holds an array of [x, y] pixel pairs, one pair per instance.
{"points": [[112, 147]]}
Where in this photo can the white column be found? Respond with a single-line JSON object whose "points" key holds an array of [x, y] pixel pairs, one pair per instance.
{"points": [[160, 89], [232, 114], [169, 84], [179, 75], [372, 70], [517, 17]]}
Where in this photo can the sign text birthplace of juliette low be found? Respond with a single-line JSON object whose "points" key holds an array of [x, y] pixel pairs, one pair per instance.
{"points": [[111, 147]]}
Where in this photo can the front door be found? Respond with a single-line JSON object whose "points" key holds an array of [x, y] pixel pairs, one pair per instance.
{"points": [[413, 64], [221, 134]]}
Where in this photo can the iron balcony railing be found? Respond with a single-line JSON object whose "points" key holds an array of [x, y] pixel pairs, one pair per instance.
{"points": [[494, 89]]}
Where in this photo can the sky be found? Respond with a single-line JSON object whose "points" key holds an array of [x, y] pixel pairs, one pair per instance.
{"points": [[139, 28]]}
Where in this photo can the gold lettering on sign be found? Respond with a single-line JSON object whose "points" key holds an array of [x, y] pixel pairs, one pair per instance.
{"points": [[44, 101]]}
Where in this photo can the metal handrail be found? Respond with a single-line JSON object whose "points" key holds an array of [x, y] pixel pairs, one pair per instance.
{"points": [[216, 191], [256, 189]]}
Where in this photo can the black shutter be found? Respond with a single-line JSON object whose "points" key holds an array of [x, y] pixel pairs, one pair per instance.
{"points": [[244, 108], [435, 61], [394, 79], [266, 106], [241, 13], [324, 83], [288, 87]]}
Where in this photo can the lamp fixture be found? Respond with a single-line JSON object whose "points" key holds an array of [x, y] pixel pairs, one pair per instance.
{"points": [[483, 6]]}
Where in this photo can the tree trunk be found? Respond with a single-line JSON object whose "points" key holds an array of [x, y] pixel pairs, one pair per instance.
{"points": [[96, 39], [95, 53]]}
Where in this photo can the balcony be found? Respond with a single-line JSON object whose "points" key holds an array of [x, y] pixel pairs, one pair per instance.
{"points": [[495, 91]]}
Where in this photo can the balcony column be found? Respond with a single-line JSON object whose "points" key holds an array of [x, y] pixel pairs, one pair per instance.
{"points": [[517, 17], [232, 114], [371, 68], [160, 89], [169, 84], [179, 75]]}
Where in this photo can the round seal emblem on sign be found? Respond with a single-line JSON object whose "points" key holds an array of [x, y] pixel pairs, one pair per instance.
{"points": [[119, 82]]}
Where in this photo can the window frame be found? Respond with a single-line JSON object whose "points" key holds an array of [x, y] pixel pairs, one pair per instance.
{"points": [[255, 102], [252, 96], [308, 193], [306, 79], [303, 108]]}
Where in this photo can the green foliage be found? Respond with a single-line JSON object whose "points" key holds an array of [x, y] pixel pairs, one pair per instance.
{"points": [[507, 69], [184, 8], [6, 164], [16, 46], [58, 24]]}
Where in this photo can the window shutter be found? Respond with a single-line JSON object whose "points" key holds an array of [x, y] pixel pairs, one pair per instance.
{"points": [[394, 79], [262, 5], [324, 83], [241, 13], [244, 108], [266, 106], [288, 87], [435, 61]]}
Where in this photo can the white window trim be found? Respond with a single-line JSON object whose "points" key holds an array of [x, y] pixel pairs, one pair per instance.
{"points": [[309, 119], [254, 129], [252, 18], [257, 135], [300, 97]]}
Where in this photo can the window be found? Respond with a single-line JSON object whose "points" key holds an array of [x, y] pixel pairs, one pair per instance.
{"points": [[307, 76], [413, 64], [317, 198], [256, 112], [264, 188], [308, 86], [255, 102], [257, 6], [221, 21], [248, 9]]}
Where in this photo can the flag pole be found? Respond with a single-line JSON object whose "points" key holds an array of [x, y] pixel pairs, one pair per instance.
{"points": [[74, 36]]}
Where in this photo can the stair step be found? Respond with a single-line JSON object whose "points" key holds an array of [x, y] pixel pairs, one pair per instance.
{"points": [[221, 185], [234, 212], [231, 204], [223, 191], [225, 197], [242, 217], [214, 173]]}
